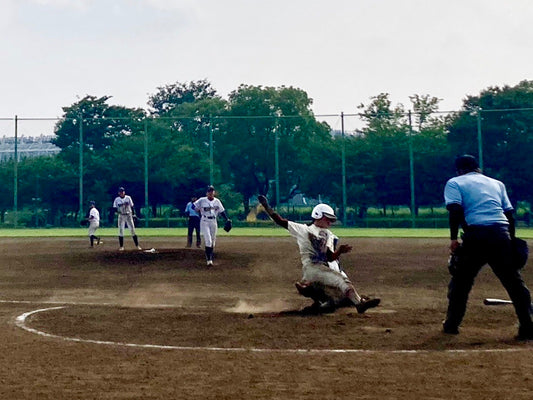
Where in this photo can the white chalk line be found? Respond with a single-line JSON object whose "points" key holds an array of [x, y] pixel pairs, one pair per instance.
{"points": [[20, 322], [93, 304]]}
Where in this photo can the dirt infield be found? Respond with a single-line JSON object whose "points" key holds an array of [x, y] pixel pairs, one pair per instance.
{"points": [[81, 323]]}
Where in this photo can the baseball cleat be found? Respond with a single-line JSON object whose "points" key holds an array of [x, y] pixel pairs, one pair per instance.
{"points": [[121, 249], [449, 329], [139, 248], [365, 304], [209, 262], [305, 288], [524, 334]]}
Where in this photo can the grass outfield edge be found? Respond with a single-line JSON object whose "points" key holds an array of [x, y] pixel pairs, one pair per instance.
{"points": [[525, 233]]}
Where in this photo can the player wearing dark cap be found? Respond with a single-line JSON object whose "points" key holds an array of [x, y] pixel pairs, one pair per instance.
{"points": [[123, 205], [481, 206], [209, 208]]}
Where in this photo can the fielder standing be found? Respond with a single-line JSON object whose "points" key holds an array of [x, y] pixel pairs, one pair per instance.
{"points": [[209, 208], [319, 257], [123, 205], [94, 224], [480, 205]]}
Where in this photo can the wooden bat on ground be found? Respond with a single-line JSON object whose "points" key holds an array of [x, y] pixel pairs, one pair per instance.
{"points": [[496, 302]]}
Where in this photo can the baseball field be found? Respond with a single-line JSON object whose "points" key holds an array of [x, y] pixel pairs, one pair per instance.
{"points": [[95, 323]]}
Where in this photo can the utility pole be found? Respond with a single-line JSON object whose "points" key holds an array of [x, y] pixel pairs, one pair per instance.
{"points": [[343, 156], [81, 166], [412, 173]]}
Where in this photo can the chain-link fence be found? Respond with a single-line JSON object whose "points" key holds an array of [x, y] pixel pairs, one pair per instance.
{"points": [[376, 170]]}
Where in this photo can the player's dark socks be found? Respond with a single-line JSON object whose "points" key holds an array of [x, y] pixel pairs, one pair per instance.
{"points": [[92, 240], [135, 240], [208, 253], [121, 241]]}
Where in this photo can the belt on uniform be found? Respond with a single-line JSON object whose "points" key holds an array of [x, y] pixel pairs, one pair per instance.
{"points": [[209, 217], [486, 227]]}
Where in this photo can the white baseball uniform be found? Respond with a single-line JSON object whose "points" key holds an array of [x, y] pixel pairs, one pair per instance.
{"points": [[94, 221], [335, 264], [313, 243], [209, 211], [124, 206]]}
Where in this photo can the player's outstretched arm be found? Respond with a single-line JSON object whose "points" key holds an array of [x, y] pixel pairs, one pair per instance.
{"points": [[274, 215]]}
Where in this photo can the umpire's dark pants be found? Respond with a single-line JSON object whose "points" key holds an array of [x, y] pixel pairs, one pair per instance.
{"points": [[492, 245], [193, 224]]}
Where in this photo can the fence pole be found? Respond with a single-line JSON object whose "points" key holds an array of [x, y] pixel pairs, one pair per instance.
{"points": [[276, 163], [343, 156], [15, 175], [81, 167], [479, 139], [412, 173], [211, 166], [146, 202]]}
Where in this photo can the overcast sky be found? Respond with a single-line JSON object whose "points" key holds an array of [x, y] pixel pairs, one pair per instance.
{"points": [[341, 52]]}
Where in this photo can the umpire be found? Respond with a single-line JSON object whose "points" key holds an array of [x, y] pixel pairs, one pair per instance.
{"points": [[480, 205], [193, 223]]}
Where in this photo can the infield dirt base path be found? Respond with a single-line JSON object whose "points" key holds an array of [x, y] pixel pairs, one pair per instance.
{"points": [[181, 315]]}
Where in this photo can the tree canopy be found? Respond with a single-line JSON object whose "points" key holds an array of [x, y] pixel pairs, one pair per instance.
{"points": [[194, 137]]}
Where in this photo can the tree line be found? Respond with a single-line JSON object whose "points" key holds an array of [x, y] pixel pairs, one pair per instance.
{"points": [[195, 137]]}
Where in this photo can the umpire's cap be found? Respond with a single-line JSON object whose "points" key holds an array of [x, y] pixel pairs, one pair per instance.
{"points": [[466, 163], [323, 210]]}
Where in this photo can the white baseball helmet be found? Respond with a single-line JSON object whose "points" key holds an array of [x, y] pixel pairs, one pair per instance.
{"points": [[323, 210]]}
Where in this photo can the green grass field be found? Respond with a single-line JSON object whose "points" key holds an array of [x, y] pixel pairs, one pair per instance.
{"points": [[526, 233]]}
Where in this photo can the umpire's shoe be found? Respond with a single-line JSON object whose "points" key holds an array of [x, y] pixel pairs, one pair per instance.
{"points": [[365, 304], [449, 329], [524, 334]]}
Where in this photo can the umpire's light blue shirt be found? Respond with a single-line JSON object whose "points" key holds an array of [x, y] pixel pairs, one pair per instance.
{"points": [[484, 200], [190, 209]]}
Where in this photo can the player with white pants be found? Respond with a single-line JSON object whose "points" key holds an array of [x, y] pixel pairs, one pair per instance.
{"points": [[123, 205], [321, 271], [209, 208], [94, 224]]}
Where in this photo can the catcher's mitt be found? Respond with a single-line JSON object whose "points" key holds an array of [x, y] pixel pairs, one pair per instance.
{"points": [[454, 260], [228, 225], [84, 222]]}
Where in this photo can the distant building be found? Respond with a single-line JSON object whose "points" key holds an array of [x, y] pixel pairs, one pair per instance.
{"points": [[337, 132], [27, 147]]}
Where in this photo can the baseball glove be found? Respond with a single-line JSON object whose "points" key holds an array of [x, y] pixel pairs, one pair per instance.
{"points": [[228, 225], [454, 260], [84, 222]]}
